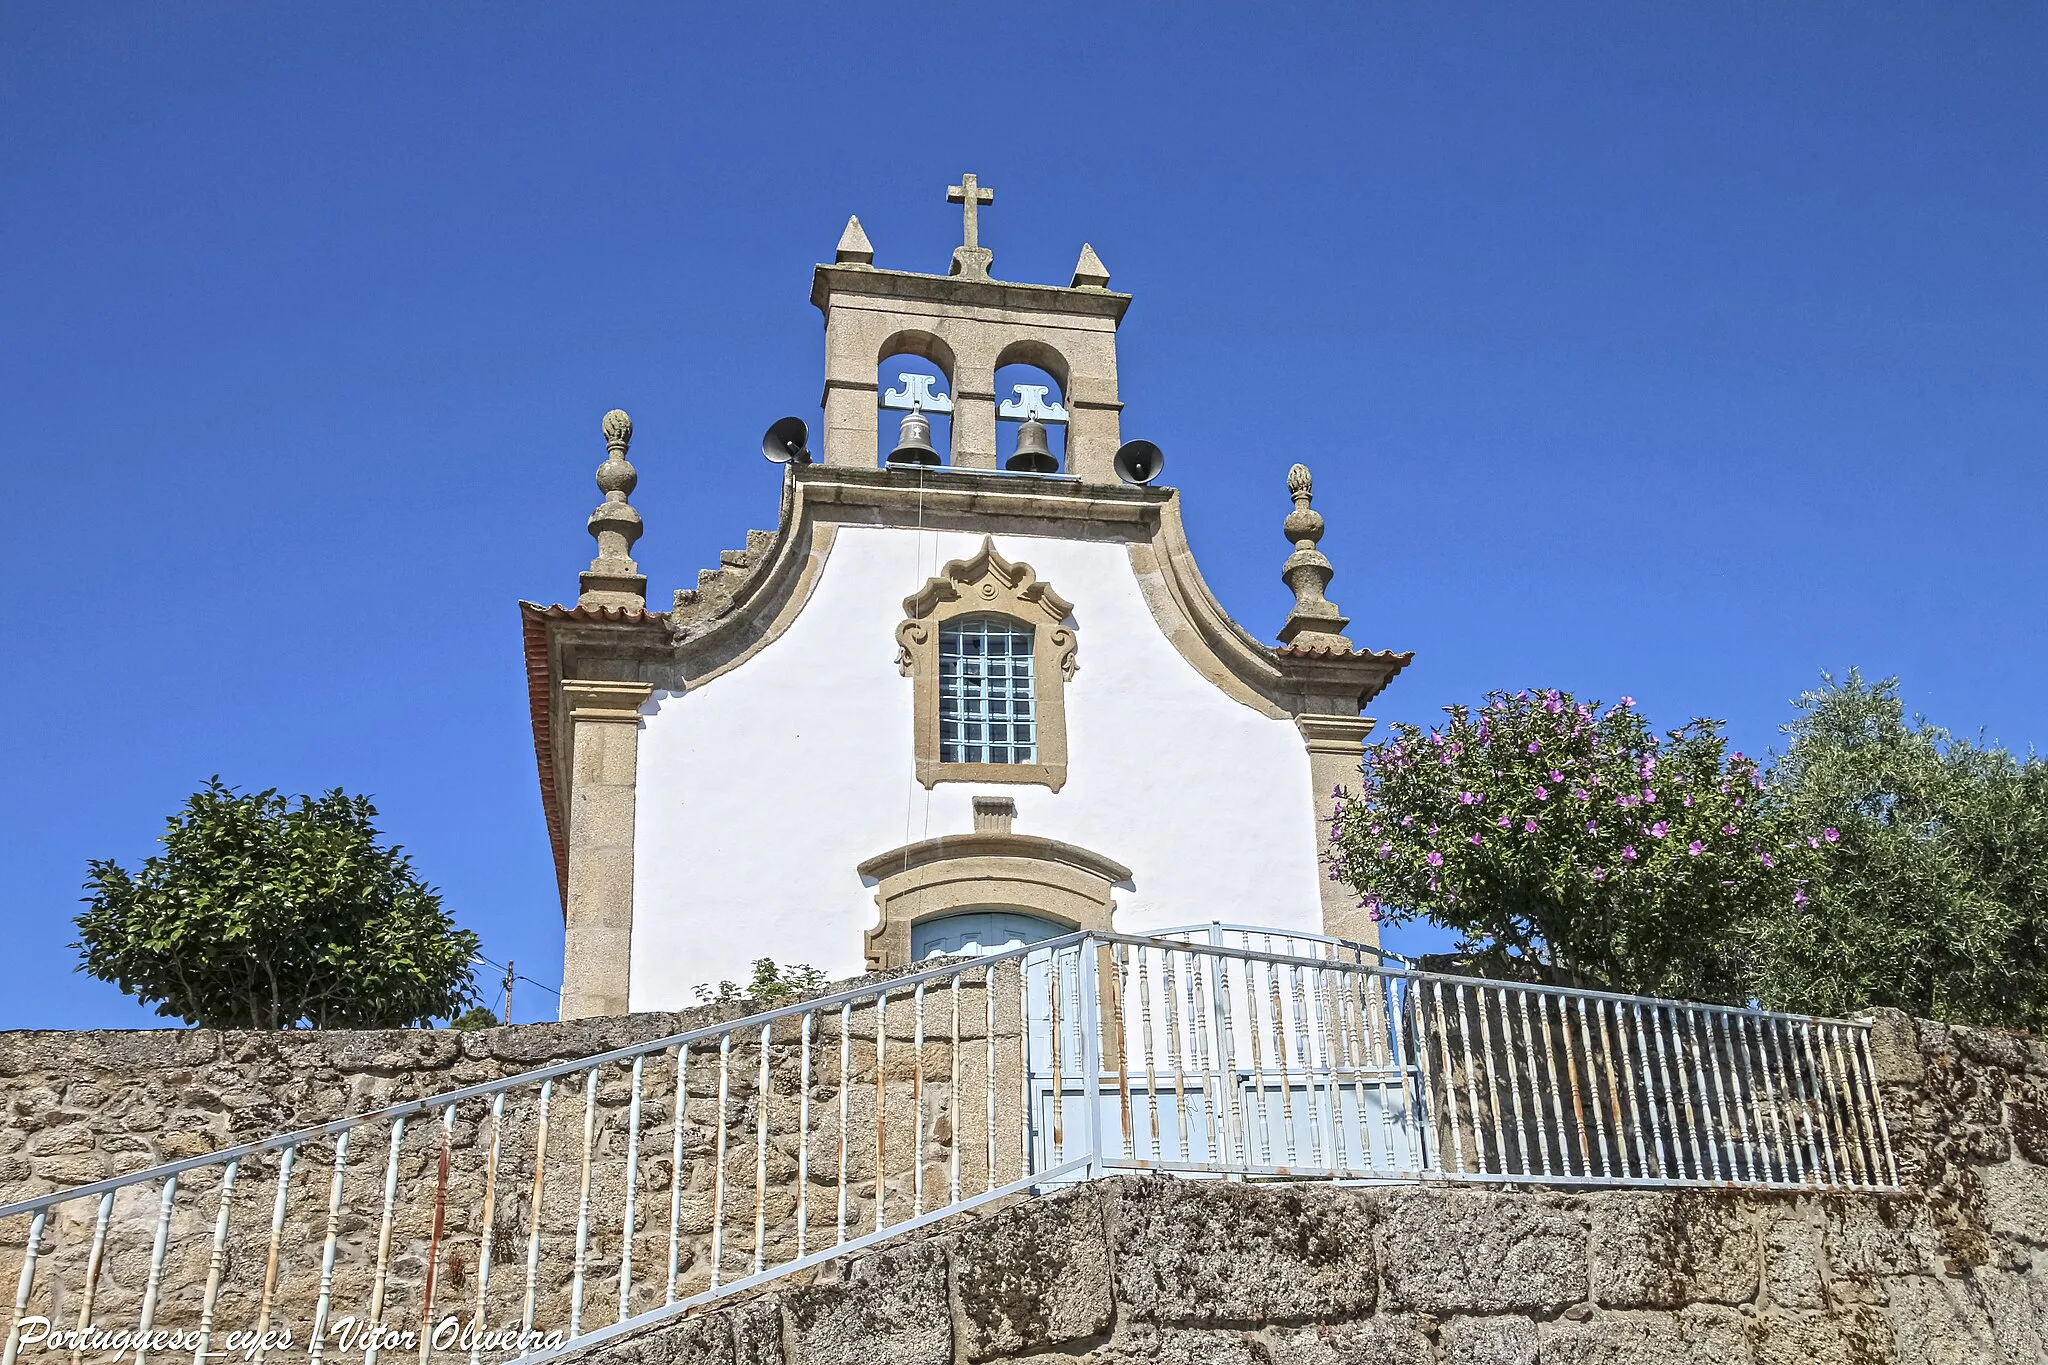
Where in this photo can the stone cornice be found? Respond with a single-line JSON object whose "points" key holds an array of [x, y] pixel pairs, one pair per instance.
{"points": [[605, 701], [835, 284], [1334, 734], [1034, 847]]}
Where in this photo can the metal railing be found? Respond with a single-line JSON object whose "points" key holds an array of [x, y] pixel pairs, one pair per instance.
{"points": [[546, 1211]]}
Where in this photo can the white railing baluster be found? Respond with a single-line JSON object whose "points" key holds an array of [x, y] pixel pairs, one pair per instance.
{"points": [[1144, 968], [988, 1089], [917, 1102], [24, 1284], [154, 1285], [956, 1128], [1535, 1085], [718, 1170], [845, 1094], [485, 1227], [1443, 1042], [96, 1258], [1599, 1137], [679, 1118], [384, 1235], [881, 1105], [216, 1261], [629, 1216], [1656, 1136], [316, 1344], [803, 1146], [763, 1092], [582, 1261]]}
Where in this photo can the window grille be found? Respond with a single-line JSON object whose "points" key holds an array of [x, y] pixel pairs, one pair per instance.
{"points": [[985, 696]]}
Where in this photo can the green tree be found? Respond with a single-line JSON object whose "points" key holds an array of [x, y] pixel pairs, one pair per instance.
{"points": [[262, 912], [1568, 843], [1936, 900]]}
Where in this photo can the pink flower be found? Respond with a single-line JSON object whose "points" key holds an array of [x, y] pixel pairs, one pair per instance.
{"points": [[1831, 834], [1535, 746], [1728, 829], [1628, 854], [1553, 703], [1528, 827], [1695, 848], [1649, 796], [1592, 828], [1543, 793], [1581, 793], [1812, 842], [1660, 829], [1435, 859], [1766, 858], [1469, 798], [1627, 702], [1556, 776], [1474, 839], [1504, 822], [1386, 850]]}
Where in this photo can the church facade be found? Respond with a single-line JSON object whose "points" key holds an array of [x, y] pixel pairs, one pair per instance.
{"points": [[950, 702]]}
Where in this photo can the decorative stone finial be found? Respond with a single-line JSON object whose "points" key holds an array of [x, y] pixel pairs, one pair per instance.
{"points": [[613, 579], [1315, 622], [1089, 271], [854, 247], [971, 260]]}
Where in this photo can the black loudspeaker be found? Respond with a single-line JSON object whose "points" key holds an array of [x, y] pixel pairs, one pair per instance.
{"points": [[1139, 462], [784, 442]]}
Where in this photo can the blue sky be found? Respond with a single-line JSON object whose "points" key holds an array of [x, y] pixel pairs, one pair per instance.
{"points": [[1635, 350]]}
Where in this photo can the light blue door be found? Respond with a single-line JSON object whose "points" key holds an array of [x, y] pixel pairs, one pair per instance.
{"points": [[970, 933]]}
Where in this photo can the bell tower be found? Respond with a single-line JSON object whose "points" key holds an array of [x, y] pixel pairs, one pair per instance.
{"points": [[969, 325]]}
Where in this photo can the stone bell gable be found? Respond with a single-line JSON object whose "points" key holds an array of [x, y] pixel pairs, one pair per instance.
{"points": [[727, 779]]}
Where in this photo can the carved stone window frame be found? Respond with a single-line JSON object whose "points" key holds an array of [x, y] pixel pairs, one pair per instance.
{"points": [[987, 584]]}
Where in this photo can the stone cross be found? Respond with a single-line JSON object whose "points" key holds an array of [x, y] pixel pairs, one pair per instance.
{"points": [[971, 259], [972, 196]]}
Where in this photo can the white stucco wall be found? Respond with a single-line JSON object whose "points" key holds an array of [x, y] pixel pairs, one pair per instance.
{"points": [[761, 791]]}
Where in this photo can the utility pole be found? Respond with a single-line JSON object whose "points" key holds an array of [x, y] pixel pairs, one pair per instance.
{"points": [[509, 978]]}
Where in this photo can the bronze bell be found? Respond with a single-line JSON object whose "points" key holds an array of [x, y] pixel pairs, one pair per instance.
{"points": [[1033, 455], [914, 440]]}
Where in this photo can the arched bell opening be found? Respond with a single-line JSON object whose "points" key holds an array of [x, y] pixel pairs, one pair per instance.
{"points": [[1031, 419], [914, 388]]}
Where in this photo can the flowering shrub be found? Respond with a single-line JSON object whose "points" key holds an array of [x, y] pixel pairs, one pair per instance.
{"points": [[1569, 843]]}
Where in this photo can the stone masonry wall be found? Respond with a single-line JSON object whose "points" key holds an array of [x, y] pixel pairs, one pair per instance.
{"points": [[81, 1106], [1953, 1270]]}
